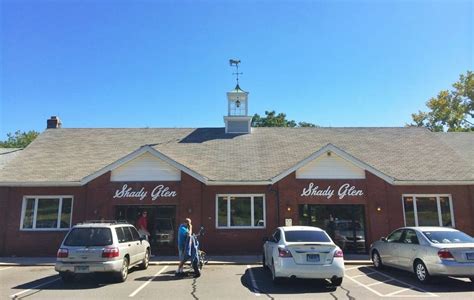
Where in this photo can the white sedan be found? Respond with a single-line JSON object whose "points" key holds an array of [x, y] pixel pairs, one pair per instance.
{"points": [[303, 252]]}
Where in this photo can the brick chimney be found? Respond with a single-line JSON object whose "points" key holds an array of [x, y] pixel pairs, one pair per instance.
{"points": [[53, 122]]}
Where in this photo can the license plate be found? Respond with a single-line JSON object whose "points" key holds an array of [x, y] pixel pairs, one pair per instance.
{"points": [[81, 269], [470, 256], [312, 257]]}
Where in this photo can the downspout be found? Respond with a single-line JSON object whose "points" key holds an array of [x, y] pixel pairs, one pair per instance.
{"points": [[277, 193]]}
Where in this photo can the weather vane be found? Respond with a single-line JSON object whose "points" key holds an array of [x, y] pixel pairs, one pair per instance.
{"points": [[235, 62]]}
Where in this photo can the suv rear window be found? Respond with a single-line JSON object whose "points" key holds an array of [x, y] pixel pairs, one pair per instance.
{"points": [[306, 236], [89, 237]]}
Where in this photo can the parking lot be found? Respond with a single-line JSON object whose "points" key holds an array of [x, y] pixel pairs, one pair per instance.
{"points": [[225, 282]]}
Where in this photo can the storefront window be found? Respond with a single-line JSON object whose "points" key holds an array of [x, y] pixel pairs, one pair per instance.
{"points": [[46, 213], [240, 211], [429, 210]]}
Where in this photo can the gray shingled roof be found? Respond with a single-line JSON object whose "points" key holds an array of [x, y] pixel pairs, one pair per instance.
{"points": [[7, 154], [69, 155], [461, 142]]}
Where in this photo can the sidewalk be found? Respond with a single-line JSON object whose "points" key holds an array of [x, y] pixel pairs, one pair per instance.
{"points": [[349, 259]]}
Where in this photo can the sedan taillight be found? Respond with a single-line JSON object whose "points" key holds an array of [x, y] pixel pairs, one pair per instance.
{"points": [[338, 253], [444, 254], [62, 253], [282, 252], [110, 252]]}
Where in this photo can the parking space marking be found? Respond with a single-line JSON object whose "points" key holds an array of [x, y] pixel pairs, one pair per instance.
{"points": [[147, 282], [15, 296], [1, 269], [393, 294], [253, 282], [380, 282], [352, 268]]}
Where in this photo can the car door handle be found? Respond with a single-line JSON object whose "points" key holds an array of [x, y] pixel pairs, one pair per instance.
{"points": [[129, 245]]}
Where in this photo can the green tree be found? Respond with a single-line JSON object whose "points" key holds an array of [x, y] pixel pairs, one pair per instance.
{"points": [[450, 110], [272, 119], [19, 139]]}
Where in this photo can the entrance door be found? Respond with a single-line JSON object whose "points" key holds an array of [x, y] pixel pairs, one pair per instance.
{"points": [[161, 224], [344, 223]]}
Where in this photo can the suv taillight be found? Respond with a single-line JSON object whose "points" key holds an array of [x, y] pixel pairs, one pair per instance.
{"points": [[62, 253], [338, 253], [110, 252], [282, 252], [445, 254]]}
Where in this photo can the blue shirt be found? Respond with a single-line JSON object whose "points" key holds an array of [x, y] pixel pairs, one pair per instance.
{"points": [[183, 232]]}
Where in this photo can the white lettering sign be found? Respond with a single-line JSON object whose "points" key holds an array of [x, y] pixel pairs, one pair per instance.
{"points": [[344, 190], [157, 192]]}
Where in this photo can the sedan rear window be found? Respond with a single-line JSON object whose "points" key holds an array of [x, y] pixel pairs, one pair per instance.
{"points": [[89, 237], [448, 237], [306, 236]]}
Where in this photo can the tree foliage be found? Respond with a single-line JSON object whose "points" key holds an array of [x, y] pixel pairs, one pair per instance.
{"points": [[450, 110], [272, 119], [19, 139]]}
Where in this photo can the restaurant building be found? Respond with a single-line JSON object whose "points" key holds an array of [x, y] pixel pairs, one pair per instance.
{"points": [[239, 182]]}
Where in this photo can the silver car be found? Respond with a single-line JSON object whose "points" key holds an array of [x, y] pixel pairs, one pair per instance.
{"points": [[102, 247], [427, 252]]}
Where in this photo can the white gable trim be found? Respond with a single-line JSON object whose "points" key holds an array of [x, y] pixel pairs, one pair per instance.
{"points": [[137, 153], [342, 154]]}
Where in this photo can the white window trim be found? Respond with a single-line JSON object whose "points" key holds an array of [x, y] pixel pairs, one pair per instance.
{"points": [[35, 212], [438, 205], [252, 196]]}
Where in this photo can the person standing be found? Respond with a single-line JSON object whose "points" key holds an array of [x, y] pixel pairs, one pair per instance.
{"points": [[142, 225], [184, 232]]}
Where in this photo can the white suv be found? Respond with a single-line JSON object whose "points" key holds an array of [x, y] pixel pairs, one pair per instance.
{"points": [[102, 247]]}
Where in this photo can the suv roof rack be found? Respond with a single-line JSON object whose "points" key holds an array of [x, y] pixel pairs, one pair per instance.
{"points": [[103, 222]]}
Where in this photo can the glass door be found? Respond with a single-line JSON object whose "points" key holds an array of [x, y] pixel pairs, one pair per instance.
{"points": [[344, 223]]}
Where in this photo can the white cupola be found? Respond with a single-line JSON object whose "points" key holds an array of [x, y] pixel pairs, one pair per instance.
{"points": [[237, 119]]}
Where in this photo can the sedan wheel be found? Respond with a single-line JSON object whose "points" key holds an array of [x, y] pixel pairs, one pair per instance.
{"points": [[275, 279], [421, 272], [377, 260]]}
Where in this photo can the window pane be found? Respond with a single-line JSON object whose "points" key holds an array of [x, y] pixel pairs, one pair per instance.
{"points": [[66, 213], [29, 213], [240, 213], [47, 215], [427, 211], [409, 211], [395, 237], [128, 234], [120, 235], [447, 237], [445, 211], [222, 211], [258, 212]]}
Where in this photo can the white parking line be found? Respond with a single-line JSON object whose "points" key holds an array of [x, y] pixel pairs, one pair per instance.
{"points": [[147, 282], [379, 282], [361, 275], [1, 269], [393, 294], [253, 282], [14, 296]]}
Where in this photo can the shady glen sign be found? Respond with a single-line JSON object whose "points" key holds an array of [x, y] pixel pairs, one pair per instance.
{"points": [[157, 192], [344, 190]]}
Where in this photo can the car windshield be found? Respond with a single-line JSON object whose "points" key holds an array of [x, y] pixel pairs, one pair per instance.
{"points": [[89, 237], [448, 237], [306, 236]]}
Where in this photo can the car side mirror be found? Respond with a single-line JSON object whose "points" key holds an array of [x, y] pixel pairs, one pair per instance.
{"points": [[383, 239]]}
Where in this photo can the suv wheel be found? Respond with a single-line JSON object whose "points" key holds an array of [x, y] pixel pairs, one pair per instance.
{"points": [[123, 274], [66, 277], [336, 281], [264, 263], [276, 280], [146, 261]]}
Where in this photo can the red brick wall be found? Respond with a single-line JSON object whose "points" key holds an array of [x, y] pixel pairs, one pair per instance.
{"points": [[198, 202]]}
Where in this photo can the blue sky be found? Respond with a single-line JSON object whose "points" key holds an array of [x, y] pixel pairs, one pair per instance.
{"points": [[160, 64]]}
